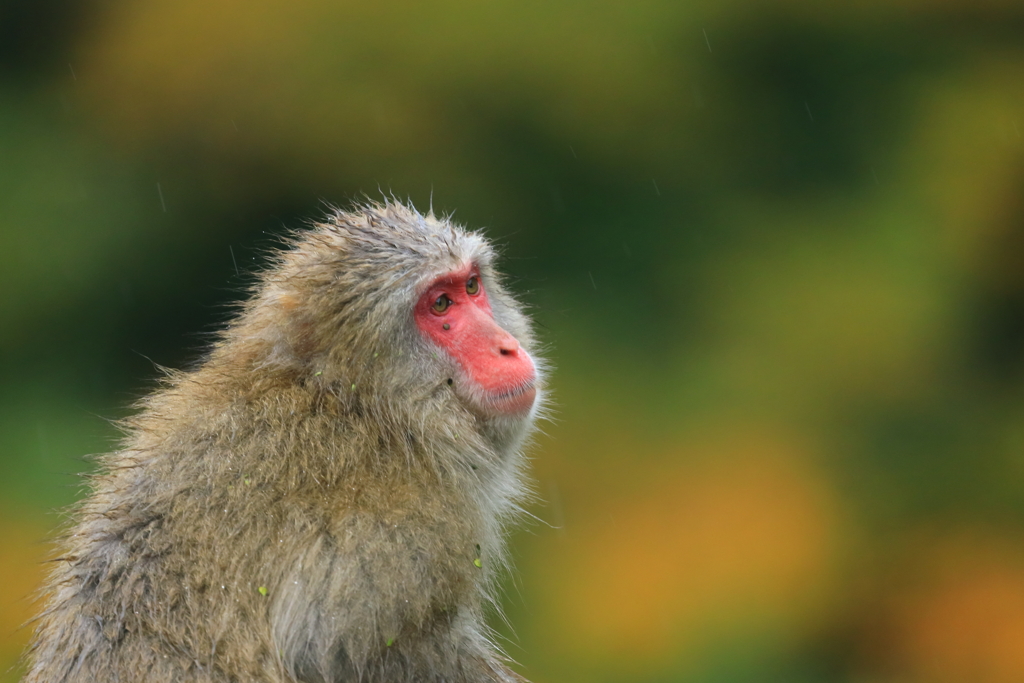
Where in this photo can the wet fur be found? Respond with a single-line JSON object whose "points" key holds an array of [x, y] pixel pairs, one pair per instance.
{"points": [[318, 455]]}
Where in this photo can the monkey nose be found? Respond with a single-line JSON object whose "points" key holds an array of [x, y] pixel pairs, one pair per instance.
{"points": [[508, 345]]}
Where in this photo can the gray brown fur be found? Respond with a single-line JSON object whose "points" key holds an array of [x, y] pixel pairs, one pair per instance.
{"points": [[319, 454]]}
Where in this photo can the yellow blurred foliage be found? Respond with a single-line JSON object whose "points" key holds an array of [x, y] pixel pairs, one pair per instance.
{"points": [[967, 153], [374, 80]]}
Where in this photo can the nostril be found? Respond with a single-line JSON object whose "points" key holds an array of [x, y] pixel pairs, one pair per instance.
{"points": [[509, 346], [510, 350]]}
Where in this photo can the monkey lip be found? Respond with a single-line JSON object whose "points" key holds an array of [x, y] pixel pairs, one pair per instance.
{"points": [[518, 399]]}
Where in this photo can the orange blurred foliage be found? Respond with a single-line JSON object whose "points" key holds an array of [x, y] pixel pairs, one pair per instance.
{"points": [[963, 619], [22, 552], [746, 537]]}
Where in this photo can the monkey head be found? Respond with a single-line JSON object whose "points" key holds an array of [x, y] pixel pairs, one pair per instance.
{"points": [[400, 313]]}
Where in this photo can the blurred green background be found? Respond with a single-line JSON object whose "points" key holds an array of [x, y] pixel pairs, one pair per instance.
{"points": [[775, 249]]}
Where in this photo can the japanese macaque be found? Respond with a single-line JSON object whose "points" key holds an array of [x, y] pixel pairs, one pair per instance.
{"points": [[324, 498]]}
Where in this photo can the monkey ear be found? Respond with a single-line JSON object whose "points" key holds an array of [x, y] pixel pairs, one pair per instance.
{"points": [[281, 329]]}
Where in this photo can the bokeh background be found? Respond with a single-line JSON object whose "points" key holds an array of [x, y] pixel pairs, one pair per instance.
{"points": [[775, 249]]}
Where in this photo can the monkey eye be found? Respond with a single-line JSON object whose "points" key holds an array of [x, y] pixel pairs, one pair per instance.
{"points": [[472, 286], [442, 304]]}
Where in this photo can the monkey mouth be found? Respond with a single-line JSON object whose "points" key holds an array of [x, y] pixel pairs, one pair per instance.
{"points": [[517, 399]]}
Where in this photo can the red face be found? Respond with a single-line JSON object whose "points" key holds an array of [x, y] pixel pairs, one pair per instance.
{"points": [[498, 374]]}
